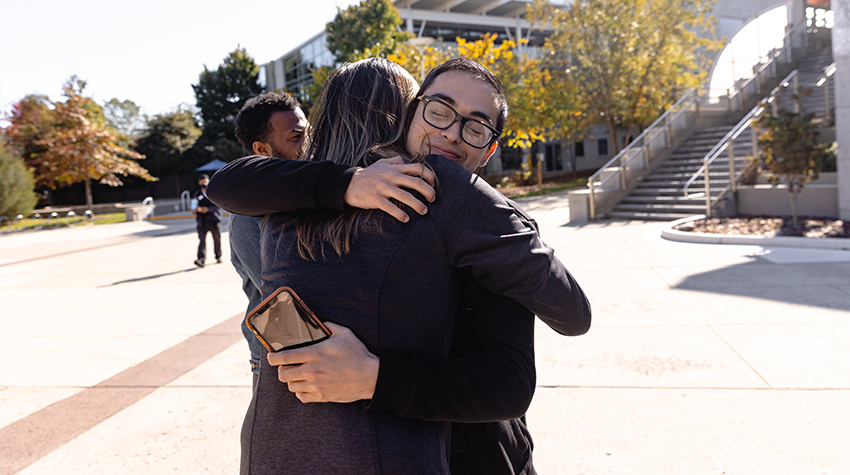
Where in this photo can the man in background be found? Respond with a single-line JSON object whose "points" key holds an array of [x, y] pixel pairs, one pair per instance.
{"points": [[208, 217], [272, 125]]}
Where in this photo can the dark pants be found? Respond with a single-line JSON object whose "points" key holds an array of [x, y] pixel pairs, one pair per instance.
{"points": [[215, 230]]}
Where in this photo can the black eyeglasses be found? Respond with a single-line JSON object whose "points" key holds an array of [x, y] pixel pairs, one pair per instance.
{"points": [[440, 115]]}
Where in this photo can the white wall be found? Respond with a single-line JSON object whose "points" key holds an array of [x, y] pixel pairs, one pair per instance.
{"points": [[841, 53]]}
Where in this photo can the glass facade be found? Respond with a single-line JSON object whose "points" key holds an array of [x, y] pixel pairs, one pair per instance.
{"points": [[296, 67], [449, 32]]}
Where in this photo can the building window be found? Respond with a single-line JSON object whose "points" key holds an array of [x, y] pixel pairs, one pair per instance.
{"points": [[603, 147], [553, 157], [580, 148], [511, 158]]}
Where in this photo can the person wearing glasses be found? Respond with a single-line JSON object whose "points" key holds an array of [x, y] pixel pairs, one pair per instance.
{"points": [[473, 384]]}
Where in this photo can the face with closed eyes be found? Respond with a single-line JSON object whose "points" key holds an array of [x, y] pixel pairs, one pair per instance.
{"points": [[470, 97], [285, 136]]}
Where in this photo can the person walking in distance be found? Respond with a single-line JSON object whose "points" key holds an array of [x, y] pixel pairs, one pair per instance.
{"points": [[208, 217]]}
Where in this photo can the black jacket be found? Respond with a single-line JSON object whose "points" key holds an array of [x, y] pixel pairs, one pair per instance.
{"points": [[486, 384]]}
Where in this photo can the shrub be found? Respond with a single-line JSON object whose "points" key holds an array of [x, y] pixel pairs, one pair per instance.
{"points": [[16, 186], [791, 149]]}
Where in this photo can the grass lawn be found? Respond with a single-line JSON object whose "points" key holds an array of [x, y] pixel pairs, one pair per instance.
{"points": [[549, 186], [63, 222]]}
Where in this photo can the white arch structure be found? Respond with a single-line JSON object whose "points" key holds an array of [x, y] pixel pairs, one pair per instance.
{"points": [[748, 47]]}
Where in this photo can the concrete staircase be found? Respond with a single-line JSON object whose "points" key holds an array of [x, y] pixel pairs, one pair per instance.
{"points": [[660, 195], [809, 70]]}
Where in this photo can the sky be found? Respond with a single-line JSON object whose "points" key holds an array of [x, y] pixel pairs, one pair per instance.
{"points": [[149, 52]]}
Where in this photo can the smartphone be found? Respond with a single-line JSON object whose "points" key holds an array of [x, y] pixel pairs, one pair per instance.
{"points": [[283, 322]]}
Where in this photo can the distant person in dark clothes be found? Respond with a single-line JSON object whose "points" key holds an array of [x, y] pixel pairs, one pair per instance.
{"points": [[208, 216]]}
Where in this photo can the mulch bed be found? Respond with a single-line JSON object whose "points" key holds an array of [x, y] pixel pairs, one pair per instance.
{"points": [[770, 227]]}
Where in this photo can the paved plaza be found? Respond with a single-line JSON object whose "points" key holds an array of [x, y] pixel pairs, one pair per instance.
{"points": [[118, 356]]}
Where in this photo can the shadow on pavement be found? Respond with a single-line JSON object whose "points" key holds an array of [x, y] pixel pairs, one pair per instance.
{"points": [[169, 228], [815, 284], [150, 277], [173, 227]]}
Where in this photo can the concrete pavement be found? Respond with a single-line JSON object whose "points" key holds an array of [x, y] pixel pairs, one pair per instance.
{"points": [[117, 355]]}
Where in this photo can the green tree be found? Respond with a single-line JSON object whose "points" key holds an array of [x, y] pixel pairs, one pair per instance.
{"points": [[165, 141], [320, 75], [630, 59], [791, 150], [16, 186], [366, 29], [220, 94], [31, 120], [124, 116], [81, 146]]}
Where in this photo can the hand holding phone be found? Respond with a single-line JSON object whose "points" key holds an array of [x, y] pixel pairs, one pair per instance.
{"points": [[283, 322]]}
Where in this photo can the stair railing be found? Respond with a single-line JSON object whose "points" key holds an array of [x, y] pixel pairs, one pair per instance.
{"points": [[727, 143], [764, 71], [823, 80], [642, 146], [185, 200]]}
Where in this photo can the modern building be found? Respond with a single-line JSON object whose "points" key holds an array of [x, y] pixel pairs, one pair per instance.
{"points": [[450, 19], [437, 19]]}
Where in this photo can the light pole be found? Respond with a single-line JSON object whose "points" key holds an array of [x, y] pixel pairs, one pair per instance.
{"points": [[420, 43]]}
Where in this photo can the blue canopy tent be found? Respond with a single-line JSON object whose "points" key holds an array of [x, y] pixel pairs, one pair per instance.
{"points": [[211, 166]]}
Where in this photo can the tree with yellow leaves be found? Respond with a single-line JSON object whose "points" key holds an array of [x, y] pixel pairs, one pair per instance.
{"points": [[629, 59]]}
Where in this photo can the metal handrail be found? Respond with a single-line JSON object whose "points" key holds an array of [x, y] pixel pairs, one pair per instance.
{"points": [[823, 80], [148, 207], [184, 206], [726, 142], [690, 96]]}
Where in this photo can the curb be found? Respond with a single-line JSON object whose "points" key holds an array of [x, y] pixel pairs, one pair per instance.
{"points": [[179, 216], [161, 218], [838, 244]]}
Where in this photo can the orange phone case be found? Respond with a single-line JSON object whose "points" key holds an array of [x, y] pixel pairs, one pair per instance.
{"points": [[279, 328]]}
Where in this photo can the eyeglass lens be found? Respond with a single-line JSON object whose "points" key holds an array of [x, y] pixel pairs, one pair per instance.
{"points": [[442, 117]]}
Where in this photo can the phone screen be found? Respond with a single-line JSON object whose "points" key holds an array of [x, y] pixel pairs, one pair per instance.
{"points": [[283, 321]]}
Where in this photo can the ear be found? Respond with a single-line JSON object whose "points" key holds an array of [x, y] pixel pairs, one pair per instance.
{"points": [[489, 154], [262, 148]]}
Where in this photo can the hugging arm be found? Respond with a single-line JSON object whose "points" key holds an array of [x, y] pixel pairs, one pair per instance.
{"points": [[482, 230], [257, 185]]}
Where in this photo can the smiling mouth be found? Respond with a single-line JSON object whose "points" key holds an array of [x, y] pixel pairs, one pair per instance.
{"points": [[446, 153]]}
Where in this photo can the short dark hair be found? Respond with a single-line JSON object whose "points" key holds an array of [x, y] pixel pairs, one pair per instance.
{"points": [[252, 122], [477, 71]]}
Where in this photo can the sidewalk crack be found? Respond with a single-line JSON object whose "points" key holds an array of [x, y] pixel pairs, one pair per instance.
{"points": [[728, 345]]}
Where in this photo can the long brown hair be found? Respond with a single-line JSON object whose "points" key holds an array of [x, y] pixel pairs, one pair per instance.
{"points": [[356, 120]]}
